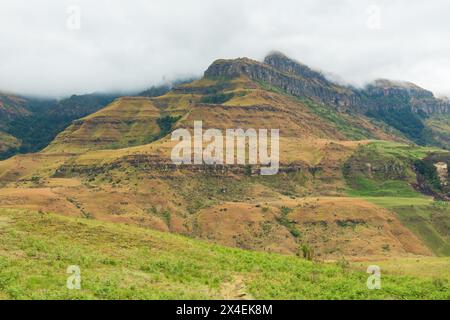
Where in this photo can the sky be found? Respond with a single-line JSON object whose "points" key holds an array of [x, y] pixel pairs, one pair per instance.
{"points": [[56, 48]]}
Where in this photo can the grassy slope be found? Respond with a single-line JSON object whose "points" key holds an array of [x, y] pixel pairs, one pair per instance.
{"points": [[351, 126], [429, 220], [440, 128], [123, 262], [7, 142]]}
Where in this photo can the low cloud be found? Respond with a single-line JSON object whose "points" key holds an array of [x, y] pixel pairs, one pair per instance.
{"points": [[131, 45]]}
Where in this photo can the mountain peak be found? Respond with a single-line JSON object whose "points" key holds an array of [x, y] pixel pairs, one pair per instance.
{"points": [[387, 83], [231, 67], [283, 63], [395, 87]]}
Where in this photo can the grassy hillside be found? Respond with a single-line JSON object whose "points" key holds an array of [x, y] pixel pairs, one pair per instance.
{"points": [[125, 262], [29, 125], [236, 208], [8, 142], [337, 192], [11, 108], [384, 174], [50, 117], [440, 128]]}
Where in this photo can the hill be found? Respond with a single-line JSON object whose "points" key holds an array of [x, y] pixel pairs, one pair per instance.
{"points": [[121, 155], [126, 262], [29, 124], [11, 107]]}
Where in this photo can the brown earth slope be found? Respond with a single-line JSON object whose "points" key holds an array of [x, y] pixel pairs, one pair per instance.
{"points": [[115, 165]]}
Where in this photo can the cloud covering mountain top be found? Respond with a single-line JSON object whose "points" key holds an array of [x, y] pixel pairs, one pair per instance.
{"points": [[56, 48]]}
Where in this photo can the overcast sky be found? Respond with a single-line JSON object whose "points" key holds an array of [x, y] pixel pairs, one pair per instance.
{"points": [[132, 44]]}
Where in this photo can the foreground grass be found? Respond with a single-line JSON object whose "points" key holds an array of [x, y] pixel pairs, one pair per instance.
{"points": [[125, 262]]}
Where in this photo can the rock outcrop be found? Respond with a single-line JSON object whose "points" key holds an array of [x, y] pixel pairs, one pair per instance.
{"points": [[388, 94], [299, 80], [294, 78]]}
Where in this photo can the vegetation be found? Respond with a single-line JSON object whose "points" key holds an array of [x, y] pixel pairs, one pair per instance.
{"points": [[363, 187], [343, 122], [48, 118], [429, 172], [125, 262], [165, 124], [307, 251], [284, 220], [428, 219], [113, 156], [406, 121], [385, 169], [217, 98]]}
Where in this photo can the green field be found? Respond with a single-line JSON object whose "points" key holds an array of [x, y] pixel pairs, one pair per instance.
{"points": [[125, 262]]}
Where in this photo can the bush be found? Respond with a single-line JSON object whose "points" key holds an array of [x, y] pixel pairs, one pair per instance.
{"points": [[307, 251], [217, 98], [429, 172]]}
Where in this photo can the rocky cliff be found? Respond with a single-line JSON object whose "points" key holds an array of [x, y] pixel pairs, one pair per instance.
{"points": [[290, 76], [299, 80], [388, 94]]}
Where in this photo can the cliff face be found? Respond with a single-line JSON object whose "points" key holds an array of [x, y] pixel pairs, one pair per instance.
{"points": [[389, 94], [299, 80], [292, 77]]}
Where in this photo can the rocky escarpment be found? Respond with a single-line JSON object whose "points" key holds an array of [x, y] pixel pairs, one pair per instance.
{"points": [[157, 166], [388, 94], [299, 80], [290, 76]]}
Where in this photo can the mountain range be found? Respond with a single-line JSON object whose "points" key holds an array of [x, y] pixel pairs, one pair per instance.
{"points": [[406, 110], [363, 177]]}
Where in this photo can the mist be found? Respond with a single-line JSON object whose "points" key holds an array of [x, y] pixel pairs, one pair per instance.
{"points": [[56, 48]]}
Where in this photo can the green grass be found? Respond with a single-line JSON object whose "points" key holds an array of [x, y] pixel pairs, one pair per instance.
{"points": [[344, 123], [401, 150], [430, 223], [394, 202], [392, 189], [363, 187], [426, 218], [392, 169], [127, 262]]}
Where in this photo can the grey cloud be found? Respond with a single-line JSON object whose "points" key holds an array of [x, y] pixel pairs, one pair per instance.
{"points": [[130, 45]]}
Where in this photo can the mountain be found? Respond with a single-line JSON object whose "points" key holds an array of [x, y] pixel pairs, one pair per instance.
{"points": [[292, 77], [30, 124], [348, 176], [401, 105], [11, 108], [157, 91]]}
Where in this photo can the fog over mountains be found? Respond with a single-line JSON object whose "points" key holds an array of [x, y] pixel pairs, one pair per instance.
{"points": [[131, 47]]}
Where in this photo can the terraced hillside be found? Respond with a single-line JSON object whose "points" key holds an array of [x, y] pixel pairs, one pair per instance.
{"points": [[336, 194]]}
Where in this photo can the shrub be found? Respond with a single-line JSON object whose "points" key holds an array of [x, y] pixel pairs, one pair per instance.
{"points": [[307, 251], [217, 98]]}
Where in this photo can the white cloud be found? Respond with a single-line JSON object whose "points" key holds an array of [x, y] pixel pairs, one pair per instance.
{"points": [[129, 45]]}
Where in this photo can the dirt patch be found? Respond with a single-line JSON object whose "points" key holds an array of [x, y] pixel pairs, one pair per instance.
{"points": [[235, 290]]}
